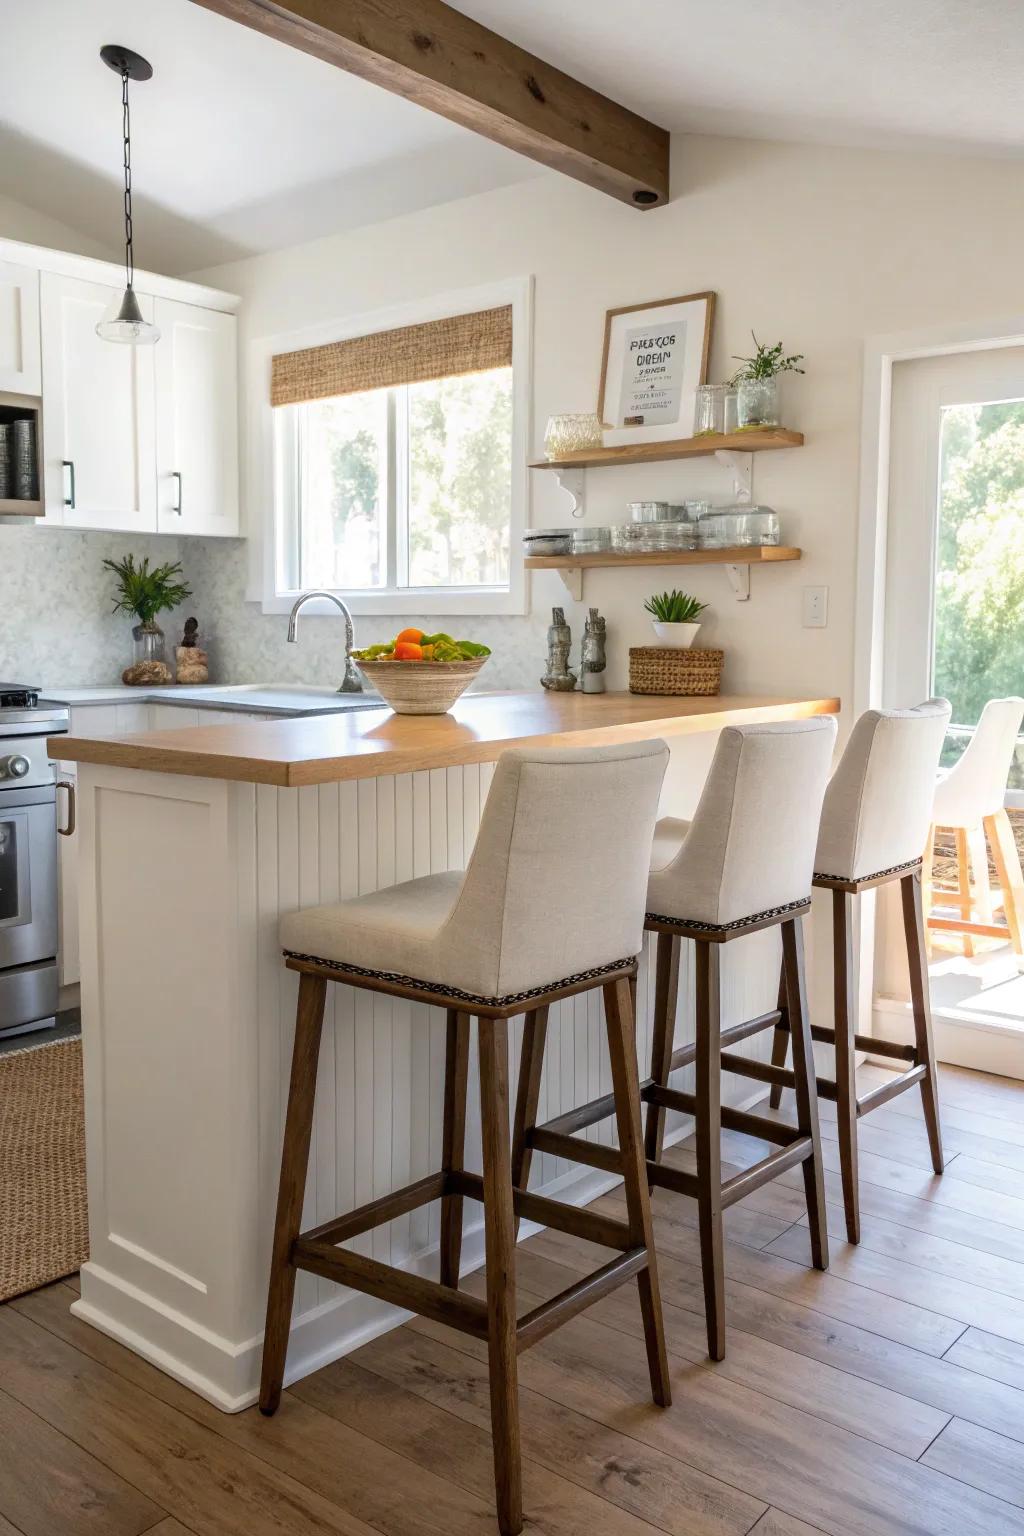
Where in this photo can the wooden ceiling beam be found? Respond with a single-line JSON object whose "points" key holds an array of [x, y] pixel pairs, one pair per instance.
{"points": [[439, 58]]}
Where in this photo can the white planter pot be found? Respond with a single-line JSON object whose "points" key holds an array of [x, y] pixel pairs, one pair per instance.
{"points": [[678, 636]]}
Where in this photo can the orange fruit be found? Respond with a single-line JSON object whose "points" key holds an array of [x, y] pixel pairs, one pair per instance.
{"points": [[414, 636], [407, 650]]}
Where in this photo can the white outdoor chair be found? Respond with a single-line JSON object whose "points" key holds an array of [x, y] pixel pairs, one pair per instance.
{"points": [[969, 801]]}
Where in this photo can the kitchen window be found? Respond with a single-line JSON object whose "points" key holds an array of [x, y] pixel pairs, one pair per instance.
{"points": [[407, 497]]}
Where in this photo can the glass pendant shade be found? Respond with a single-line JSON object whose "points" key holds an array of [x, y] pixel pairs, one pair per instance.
{"points": [[124, 322]]}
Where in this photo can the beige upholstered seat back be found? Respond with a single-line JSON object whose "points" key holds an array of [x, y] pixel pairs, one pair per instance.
{"points": [[557, 879], [975, 786], [879, 802], [750, 846]]}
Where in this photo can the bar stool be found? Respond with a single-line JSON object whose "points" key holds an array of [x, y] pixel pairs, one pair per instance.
{"points": [[969, 801], [743, 864], [490, 943], [873, 827]]}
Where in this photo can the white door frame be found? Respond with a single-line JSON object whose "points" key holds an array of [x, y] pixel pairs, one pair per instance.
{"points": [[880, 354]]}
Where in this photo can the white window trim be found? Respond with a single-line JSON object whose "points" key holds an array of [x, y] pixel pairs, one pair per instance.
{"points": [[264, 491]]}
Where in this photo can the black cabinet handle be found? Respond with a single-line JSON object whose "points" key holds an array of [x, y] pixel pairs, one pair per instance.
{"points": [[69, 501], [68, 831], [176, 474]]}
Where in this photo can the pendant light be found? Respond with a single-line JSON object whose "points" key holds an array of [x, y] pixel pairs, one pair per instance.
{"points": [[124, 321]]}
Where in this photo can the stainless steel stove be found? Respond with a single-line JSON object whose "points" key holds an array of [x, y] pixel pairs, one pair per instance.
{"points": [[28, 858]]}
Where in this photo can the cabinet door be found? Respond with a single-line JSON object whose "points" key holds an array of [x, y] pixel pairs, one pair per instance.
{"points": [[197, 420], [19, 329], [98, 413]]}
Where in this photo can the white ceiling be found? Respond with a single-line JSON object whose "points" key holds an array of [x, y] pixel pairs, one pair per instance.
{"points": [[238, 143], [887, 73], [242, 145]]}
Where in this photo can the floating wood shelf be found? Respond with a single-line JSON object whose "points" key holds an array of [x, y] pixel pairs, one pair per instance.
{"points": [[682, 448], [737, 562]]}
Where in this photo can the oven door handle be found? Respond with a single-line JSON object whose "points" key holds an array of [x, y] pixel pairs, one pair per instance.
{"points": [[68, 784]]}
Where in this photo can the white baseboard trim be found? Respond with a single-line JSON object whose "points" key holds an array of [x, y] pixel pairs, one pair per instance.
{"points": [[962, 1041]]}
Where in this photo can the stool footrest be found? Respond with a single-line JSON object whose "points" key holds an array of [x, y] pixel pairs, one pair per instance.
{"points": [[398, 1286], [594, 1153], [732, 1119], [869, 1101], [578, 1119], [962, 925], [826, 1035], [760, 1071], [536, 1325], [376, 1212], [686, 1055], [666, 1176], [576, 1220], [768, 1168]]}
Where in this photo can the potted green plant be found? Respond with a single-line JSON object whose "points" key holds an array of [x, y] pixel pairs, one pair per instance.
{"points": [[675, 618], [145, 593], [758, 385]]}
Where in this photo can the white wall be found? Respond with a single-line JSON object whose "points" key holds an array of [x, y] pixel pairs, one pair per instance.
{"points": [[20, 222], [817, 246]]}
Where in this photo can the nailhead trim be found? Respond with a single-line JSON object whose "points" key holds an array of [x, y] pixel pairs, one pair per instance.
{"points": [[741, 922], [894, 869], [436, 988]]}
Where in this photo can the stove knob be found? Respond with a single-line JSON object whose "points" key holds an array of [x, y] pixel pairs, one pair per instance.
{"points": [[16, 767]]}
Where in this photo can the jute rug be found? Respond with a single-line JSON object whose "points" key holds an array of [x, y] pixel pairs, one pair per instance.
{"points": [[44, 1233]]}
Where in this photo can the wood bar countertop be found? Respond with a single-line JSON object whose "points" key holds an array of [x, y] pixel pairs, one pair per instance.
{"points": [[365, 744]]}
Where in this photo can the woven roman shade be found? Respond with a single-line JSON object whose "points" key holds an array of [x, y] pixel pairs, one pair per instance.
{"points": [[410, 354]]}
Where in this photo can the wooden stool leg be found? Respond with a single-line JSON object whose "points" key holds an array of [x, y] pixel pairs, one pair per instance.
{"points": [[499, 1242], [780, 1036], [806, 1088], [666, 994], [846, 1082], [453, 1140], [963, 883], [978, 854], [1008, 873], [309, 1018], [531, 1069], [626, 1087], [709, 1142], [913, 925]]}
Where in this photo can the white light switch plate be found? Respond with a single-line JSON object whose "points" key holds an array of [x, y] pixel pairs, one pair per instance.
{"points": [[815, 610]]}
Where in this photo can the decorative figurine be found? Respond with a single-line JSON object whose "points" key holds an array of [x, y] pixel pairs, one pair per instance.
{"points": [[193, 664], [592, 657], [558, 678]]}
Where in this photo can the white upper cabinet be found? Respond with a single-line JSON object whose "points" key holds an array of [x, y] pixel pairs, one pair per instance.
{"points": [[196, 420], [20, 371], [98, 413]]}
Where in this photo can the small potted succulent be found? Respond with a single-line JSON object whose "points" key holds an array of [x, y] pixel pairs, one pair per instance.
{"points": [[675, 618], [758, 388]]}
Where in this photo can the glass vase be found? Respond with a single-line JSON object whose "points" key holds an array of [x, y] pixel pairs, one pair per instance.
{"points": [[709, 413], [147, 642], [757, 404]]}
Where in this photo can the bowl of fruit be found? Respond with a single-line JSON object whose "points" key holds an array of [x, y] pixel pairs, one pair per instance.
{"points": [[420, 674]]}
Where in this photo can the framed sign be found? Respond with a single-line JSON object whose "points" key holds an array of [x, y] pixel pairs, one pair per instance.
{"points": [[655, 355]]}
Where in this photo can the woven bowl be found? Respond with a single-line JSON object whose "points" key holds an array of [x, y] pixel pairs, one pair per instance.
{"points": [[421, 687]]}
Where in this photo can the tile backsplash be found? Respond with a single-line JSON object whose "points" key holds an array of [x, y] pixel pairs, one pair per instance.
{"points": [[56, 624]]}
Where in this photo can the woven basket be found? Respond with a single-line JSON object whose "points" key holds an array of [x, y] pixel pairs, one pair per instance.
{"points": [[665, 669]]}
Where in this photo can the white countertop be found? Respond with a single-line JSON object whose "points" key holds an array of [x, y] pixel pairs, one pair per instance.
{"points": [[292, 699]]}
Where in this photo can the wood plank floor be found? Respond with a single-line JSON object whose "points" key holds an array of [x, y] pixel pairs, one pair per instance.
{"points": [[885, 1398]]}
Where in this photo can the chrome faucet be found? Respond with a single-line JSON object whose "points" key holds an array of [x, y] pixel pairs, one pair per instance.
{"points": [[350, 683]]}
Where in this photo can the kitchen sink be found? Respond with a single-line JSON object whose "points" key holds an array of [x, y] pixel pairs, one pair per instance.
{"points": [[288, 699]]}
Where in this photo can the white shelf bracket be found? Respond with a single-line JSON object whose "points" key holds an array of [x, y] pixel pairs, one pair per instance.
{"points": [[739, 578], [573, 481], [572, 580], [742, 466]]}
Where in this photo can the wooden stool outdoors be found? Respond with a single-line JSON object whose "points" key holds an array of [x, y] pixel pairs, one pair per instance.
{"points": [[494, 942], [872, 823], [742, 865], [969, 802]]}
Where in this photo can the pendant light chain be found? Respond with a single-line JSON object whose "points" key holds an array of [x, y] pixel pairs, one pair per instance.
{"points": [[126, 129]]}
